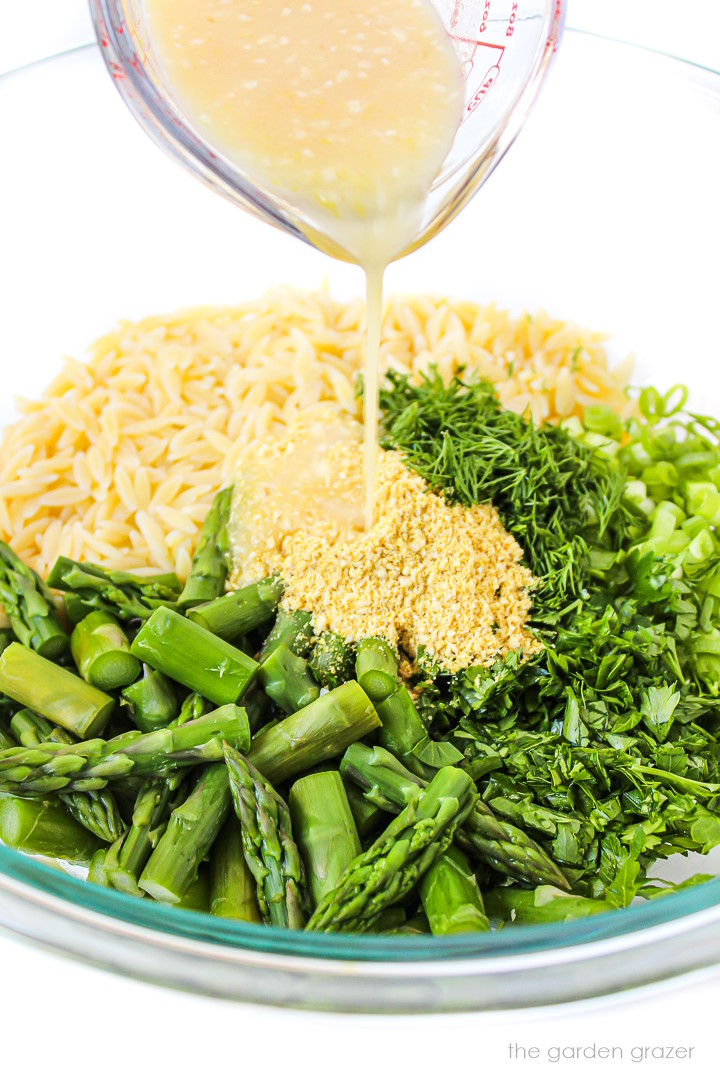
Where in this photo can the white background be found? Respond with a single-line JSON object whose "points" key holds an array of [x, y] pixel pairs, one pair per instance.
{"points": [[63, 1018]]}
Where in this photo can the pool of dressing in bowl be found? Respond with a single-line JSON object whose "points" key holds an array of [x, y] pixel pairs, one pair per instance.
{"points": [[346, 110]]}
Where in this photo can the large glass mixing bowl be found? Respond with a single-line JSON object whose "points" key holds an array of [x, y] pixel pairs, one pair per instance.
{"points": [[605, 211]]}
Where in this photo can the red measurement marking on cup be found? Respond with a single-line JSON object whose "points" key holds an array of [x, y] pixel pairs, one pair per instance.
{"points": [[488, 81], [557, 23]]}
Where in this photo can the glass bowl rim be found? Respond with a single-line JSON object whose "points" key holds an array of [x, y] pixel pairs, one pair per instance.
{"points": [[41, 883]]}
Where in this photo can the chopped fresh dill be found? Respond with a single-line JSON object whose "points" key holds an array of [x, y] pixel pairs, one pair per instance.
{"points": [[556, 496]]}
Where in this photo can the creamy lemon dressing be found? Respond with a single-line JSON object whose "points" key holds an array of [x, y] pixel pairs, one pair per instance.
{"points": [[346, 110]]}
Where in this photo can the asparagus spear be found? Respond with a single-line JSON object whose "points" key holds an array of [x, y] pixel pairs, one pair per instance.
{"points": [[417, 924], [506, 848], [96, 869], [126, 860], [376, 668], [152, 701], [191, 832], [194, 657], [399, 858], [6, 739], [331, 660], [270, 851], [541, 905], [318, 732], [386, 782], [286, 679], [97, 811], [53, 692], [257, 705], [29, 606], [391, 920], [238, 613], [90, 765], [325, 830], [451, 898], [404, 734], [101, 652], [233, 893], [292, 628], [193, 707], [211, 562], [121, 594], [197, 895], [44, 828], [369, 819], [75, 608]]}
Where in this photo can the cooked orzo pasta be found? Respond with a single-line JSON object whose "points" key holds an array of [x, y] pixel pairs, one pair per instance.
{"points": [[119, 460]]}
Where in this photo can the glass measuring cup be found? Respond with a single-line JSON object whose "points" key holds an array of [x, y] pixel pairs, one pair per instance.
{"points": [[505, 48]]}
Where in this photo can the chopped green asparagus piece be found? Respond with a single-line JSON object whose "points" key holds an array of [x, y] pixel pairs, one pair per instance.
{"points": [[502, 845], [126, 860], [287, 681], [197, 897], [101, 652], [90, 765], [211, 562], [194, 657], [399, 858], [30, 729], [391, 920], [451, 897], [509, 850], [44, 828], [332, 660], [292, 628], [376, 668], [152, 701], [121, 594], [54, 692], [417, 925], [191, 832], [403, 733], [193, 707], [96, 869], [75, 608], [270, 851], [6, 739], [238, 613], [258, 706], [29, 607], [233, 893], [97, 811], [541, 905], [317, 733], [369, 819], [324, 829]]}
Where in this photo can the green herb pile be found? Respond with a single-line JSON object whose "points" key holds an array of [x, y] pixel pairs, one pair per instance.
{"points": [[604, 747]]}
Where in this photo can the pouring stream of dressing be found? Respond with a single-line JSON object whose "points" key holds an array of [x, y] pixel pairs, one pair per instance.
{"points": [[347, 111]]}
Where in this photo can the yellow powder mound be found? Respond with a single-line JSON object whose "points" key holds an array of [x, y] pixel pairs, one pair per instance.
{"points": [[445, 577]]}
